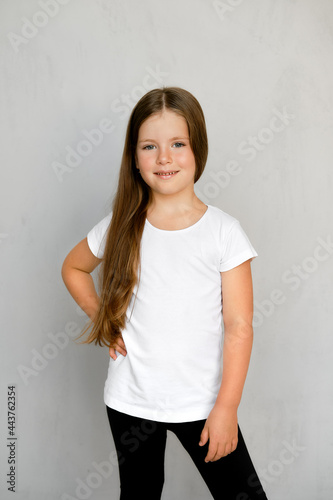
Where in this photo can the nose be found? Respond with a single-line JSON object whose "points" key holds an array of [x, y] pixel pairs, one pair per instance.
{"points": [[164, 156]]}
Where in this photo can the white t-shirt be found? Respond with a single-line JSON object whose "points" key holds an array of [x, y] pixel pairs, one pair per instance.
{"points": [[173, 336]]}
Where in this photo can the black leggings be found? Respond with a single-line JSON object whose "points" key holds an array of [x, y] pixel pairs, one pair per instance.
{"points": [[140, 445]]}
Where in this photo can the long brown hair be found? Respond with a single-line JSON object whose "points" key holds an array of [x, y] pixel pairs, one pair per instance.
{"points": [[121, 260]]}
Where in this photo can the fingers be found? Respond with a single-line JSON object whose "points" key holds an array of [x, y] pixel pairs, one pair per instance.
{"points": [[118, 346], [230, 447], [112, 353], [212, 454], [203, 437], [121, 344], [217, 451]]}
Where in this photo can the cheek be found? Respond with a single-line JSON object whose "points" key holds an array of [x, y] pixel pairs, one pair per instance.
{"points": [[143, 159], [186, 159]]}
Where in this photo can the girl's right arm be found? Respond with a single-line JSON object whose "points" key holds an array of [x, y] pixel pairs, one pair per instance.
{"points": [[75, 272]]}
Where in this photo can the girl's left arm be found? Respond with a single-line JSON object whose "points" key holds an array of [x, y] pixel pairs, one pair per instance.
{"points": [[237, 298]]}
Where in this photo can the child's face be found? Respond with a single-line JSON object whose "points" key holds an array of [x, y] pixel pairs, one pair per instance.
{"points": [[164, 146]]}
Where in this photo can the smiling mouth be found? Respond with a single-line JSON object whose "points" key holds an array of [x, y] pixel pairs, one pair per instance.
{"points": [[166, 175]]}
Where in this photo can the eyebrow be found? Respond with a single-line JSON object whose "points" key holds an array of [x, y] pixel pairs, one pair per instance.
{"points": [[172, 139]]}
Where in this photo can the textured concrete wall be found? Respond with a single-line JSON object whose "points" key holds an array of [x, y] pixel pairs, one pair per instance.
{"points": [[71, 71]]}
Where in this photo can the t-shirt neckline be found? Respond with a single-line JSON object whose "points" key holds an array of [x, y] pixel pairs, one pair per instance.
{"points": [[178, 230]]}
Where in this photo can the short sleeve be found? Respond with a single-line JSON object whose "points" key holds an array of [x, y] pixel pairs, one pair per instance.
{"points": [[97, 236], [236, 249]]}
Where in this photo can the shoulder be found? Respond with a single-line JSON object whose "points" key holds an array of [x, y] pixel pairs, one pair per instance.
{"points": [[100, 229], [221, 219], [96, 237], [103, 223]]}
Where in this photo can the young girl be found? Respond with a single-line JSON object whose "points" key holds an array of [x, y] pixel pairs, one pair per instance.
{"points": [[168, 264]]}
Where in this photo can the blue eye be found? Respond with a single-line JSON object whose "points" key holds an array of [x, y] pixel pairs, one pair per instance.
{"points": [[149, 147]]}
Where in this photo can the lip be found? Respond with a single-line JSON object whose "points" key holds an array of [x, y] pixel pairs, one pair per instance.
{"points": [[166, 174]]}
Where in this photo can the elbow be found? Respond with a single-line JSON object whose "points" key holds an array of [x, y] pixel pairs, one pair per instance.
{"points": [[64, 270]]}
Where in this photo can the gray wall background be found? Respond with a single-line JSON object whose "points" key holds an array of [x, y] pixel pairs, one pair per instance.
{"points": [[69, 67]]}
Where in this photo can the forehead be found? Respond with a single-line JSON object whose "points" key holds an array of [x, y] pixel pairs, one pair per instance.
{"points": [[163, 122]]}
